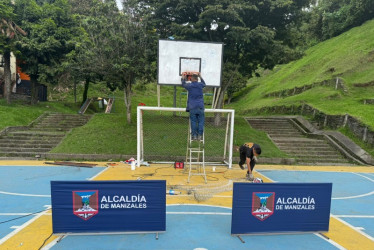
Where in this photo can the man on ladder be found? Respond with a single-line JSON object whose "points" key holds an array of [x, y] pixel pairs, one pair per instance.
{"points": [[195, 103]]}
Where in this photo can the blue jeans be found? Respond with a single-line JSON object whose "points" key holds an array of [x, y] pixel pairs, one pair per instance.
{"points": [[197, 118]]}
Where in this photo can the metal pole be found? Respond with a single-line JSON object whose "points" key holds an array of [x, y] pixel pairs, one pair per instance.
{"points": [[231, 138], [158, 95], [138, 114], [175, 99]]}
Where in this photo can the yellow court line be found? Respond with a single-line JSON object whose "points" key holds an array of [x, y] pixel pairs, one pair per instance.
{"points": [[34, 234]]}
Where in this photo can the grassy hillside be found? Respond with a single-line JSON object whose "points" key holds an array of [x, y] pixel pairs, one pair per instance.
{"points": [[349, 56]]}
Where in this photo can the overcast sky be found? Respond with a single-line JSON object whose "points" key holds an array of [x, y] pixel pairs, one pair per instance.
{"points": [[119, 4]]}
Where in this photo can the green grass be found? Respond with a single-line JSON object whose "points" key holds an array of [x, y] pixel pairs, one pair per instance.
{"points": [[349, 56], [103, 134], [19, 114]]}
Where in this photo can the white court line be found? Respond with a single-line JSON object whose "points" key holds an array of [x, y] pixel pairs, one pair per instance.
{"points": [[102, 171], [355, 216], [16, 214], [187, 195], [364, 176], [201, 205], [354, 228], [11, 234], [30, 195], [36, 217], [199, 213], [330, 241], [353, 197]]}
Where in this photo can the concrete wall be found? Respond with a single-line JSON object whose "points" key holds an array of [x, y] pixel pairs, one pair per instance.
{"points": [[323, 120]]}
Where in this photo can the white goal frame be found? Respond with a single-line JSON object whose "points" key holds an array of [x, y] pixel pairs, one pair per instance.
{"points": [[229, 139]]}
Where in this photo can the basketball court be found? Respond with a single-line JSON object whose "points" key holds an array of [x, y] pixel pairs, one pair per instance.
{"points": [[199, 217]]}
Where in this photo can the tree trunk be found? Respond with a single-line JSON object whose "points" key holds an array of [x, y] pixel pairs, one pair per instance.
{"points": [[7, 77], [217, 116], [34, 89], [85, 92], [127, 99]]}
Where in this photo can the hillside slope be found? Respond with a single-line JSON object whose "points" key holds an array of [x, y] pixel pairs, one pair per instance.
{"points": [[348, 57]]}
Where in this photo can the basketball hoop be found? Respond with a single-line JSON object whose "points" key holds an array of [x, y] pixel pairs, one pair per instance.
{"points": [[189, 74]]}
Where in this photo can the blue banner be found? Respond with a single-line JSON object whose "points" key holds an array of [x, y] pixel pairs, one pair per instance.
{"points": [[108, 206], [280, 207]]}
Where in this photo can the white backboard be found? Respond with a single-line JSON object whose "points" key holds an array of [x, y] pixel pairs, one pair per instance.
{"points": [[175, 57]]}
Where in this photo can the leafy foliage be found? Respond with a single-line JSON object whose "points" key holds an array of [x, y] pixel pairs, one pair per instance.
{"points": [[51, 30], [332, 17]]}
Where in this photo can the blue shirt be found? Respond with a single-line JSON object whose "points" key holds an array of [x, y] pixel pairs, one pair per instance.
{"points": [[195, 94]]}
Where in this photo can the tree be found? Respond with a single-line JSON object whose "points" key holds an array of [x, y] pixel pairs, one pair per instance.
{"points": [[121, 44], [84, 63], [51, 30], [255, 33], [330, 18], [8, 32]]}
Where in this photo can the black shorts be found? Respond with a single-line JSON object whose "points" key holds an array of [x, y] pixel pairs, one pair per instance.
{"points": [[244, 153]]}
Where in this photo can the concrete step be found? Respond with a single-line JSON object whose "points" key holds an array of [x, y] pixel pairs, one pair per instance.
{"points": [[33, 141], [34, 133], [26, 145], [322, 161], [19, 154], [282, 130], [311, 150], [52, 129], [295, 146], [285, 134], [316, 154], [20, 149], [32, 138], [289, 140]]}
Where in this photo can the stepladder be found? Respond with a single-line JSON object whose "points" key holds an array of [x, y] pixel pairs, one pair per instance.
{"points": [[195, 156]]}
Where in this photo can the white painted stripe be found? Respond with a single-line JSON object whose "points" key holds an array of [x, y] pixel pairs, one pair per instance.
{"points": [[353, 197], [14, 227], [11, 234], [349, 225], [201, 205], [355, 216], [186, 195], [360, 228], [102, 171], [15, 214], [199, 213], [330, 241], [364, 176], [53, 242], [259, 171], [31, 195]]}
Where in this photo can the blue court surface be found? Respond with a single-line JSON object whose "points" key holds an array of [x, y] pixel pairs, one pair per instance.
{"points": [[26, 189], [352, 194]]}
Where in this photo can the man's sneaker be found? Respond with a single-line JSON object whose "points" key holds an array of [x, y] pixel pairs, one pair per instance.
{"points": [[200, 138], [249, 177], [241, 166], [194, 138]]}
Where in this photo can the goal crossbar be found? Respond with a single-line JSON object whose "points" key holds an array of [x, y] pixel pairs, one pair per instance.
{"points": [[229, 137]]}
